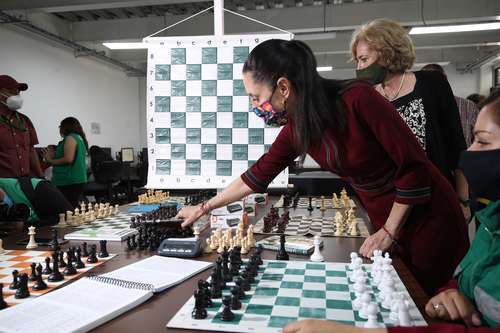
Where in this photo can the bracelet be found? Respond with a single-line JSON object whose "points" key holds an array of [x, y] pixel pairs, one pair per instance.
{"points": [[393, 239]]}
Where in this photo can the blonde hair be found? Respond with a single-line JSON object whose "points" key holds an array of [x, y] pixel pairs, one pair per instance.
{"points": [[390, 40]]}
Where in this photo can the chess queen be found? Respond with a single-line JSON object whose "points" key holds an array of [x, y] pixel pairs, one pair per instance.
{"points": [[351, 130]]}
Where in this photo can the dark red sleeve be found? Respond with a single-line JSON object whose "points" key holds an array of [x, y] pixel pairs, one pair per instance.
{"points": [[442, 328], [412, 178], [452, 284], [281, 154], [31, 130]]}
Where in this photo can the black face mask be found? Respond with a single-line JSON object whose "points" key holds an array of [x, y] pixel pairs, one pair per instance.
{"points": [[482, 170]]}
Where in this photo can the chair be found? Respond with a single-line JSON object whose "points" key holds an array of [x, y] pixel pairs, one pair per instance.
{"points": [[108, 173]]}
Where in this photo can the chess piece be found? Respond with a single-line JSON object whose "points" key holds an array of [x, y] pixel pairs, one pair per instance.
{"points": [[32, 276], [62, 221], [92, 257], [317, 256], [85, 252], [15, 280], [54, 244], [404, 318], [226, 314], [365, 302], [23, 290], [103, 252], [196, 232], [79, 263], [70, 269], [32, 242], [310, 208], [62, 263], [3, 304], [282, 254], [235, 300], [47, 270], [39, 284], [322, 207], [2, 250], [372, 312], [199, 311]]}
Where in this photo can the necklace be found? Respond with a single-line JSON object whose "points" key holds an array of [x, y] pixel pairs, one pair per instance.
{"points": [[397, 92]]}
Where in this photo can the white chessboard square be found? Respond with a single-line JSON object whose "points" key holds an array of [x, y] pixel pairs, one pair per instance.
{"points": [[315, 272], [209, 167], [193, 119], [178, 104], [209, 135], [193, 55], [241, 104], [224, 152], [314, 286], [225, 120], [193, 88], [270, 135], [254, 320], [238, 71], [285, 311], [313, 302], [225, 55], [162, 119], [288, 292], [338, 295], [193, 151], [240, 136], [177, 135], [275, 271], [160, 88], [293, 278], [225, 88], [164, 151], [209, 72], [339, 314], [254, 121], [178, 166], [161, 55], [178, 72], [263, 300], [239, 166], [208, 103], [269, 283], [336, 279]]}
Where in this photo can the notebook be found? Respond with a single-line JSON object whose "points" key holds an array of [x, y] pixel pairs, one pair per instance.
{"points": [[92, 301]]}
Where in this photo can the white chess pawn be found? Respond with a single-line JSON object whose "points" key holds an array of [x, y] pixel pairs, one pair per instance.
{"points": [[116, 210], [32, 242], [404, 317], [62, 220], [317, 256], [387, 302], [354, 255], [365, 301], [2, 250], [196, 232], [359, 289], [372, 312], [396, 301], [208, 247]]}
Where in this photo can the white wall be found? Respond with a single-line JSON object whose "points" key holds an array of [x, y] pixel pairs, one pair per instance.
{"points": [[462, 84], [61, 85]]}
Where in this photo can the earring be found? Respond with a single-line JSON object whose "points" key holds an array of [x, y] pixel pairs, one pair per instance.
{"points": [[284, 105]]}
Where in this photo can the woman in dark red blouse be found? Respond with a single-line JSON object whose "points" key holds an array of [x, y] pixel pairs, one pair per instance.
{"points": [[354, 132]]}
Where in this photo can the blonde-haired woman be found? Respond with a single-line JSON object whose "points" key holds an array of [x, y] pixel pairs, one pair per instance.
{"points": [[385, 54]]}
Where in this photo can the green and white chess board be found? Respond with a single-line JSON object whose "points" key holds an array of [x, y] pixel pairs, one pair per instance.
{"points": [[288, 291], [200, 131]]}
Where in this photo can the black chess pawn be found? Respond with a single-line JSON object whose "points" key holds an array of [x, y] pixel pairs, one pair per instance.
{"points": [[204, 286], [282, 254], [23, 290], [32, 276], [54, 244], [134, 243], [3, 304], [39, 284], [85, 252], [245, 281], [235, 298], [70, 269], [62, 263], [226, 273], [78, 262], [215, 289], [226, 314], [199, 311], [129, 243], [239, 282], [103, 252], [15, 280], [310, 208], [56, 275], [47, 270], [92, 257]]}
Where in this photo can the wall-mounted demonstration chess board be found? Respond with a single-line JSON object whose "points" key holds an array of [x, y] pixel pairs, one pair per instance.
{"points": [[200, 131]]}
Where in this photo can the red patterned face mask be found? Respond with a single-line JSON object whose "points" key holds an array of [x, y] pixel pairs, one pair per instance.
{"points": [[271, 117]]}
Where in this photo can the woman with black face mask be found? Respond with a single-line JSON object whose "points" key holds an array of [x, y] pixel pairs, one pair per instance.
{"points": [[473, 296]]}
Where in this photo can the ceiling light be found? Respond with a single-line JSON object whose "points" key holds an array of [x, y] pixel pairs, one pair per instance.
{"points": [[317, 3], [126, 46], [299, 4], [324, 69], [440, 63], [241, 8], [316, 36], [439, 29], [279, 5], [260, 7]]}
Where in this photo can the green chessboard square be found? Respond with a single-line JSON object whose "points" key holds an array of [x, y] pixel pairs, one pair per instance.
{"points": [[162, 73], [316, 266], [273, 277], [338, 304], [336, 273], [317, 313], [289, 301], [250, 163], [209, 55], [193, 104], [259, 309], [224, 135], [240, 152], [178, 88], [208, 152], [209, 88], [178, 56], [163, 167], [278, 321], [312, 278], [162, 104], [193, 167], [178, 151], [215, 306], [276, 265], [178, 120], [314, 294], [240, 54], [224, 71], [295, 271], [337, 287], [208, 120], [236, 321], [240, 119], [256, 136], [291, 285], [239, 88], [224, 103], [193, 135], [193, 72], [266, 148], [223, 168], [162, 135], [266, 291]]}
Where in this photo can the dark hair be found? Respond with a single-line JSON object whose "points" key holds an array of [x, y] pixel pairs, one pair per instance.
{"points": [[493, 98], [294, 60], [434, 67], [72, 125], [476, 98]]}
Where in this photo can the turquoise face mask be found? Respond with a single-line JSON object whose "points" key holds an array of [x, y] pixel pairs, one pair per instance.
{"points": [[7, 200], [374, 73]]}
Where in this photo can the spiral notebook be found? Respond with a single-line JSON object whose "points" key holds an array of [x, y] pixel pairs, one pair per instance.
{"points": [[92, 301]]}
